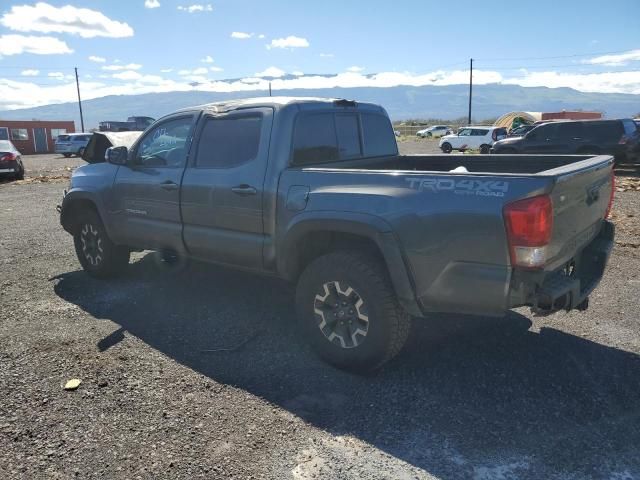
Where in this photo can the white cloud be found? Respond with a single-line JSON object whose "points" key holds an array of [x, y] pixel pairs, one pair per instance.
{"points": [[271, 72], [261, 36], [17, 44], [166, 70], [127, 75], [297, 73], [21, 94], [618, 60], [326, 55], [151, 3], [196, 8], [59, 75], [45, 18], [29, 73], [355, 69], [130, 66], [195, 71], [241, 35], [216, 69], [207, 59], [94, 58], [290, 42]]}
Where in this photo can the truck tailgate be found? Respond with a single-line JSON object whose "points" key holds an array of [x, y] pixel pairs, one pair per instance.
{"points": [[580, 197]]}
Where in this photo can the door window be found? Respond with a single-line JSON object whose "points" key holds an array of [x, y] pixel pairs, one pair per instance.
{"points": [[229, 142], [569, 131], [479, 132], [315, 139], [348, 135], [166, 145], [379, 139], [464, 132]]}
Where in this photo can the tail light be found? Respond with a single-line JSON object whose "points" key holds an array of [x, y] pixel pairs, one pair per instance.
{"points": [[8, 157], [529, 225], [611, 195], [494, 135]]}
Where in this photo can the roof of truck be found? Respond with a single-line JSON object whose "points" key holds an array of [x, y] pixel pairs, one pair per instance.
{"points": [[275, 102]]}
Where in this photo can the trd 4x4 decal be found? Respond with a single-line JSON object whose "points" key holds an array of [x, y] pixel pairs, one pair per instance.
{"points": [[484, 188]]}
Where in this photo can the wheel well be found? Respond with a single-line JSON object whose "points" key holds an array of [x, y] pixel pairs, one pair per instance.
{"points": [[314, 244], [71, 211]]}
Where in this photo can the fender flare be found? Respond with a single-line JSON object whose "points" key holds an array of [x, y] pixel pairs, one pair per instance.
{"points": [[371, 227], [68, 208]]}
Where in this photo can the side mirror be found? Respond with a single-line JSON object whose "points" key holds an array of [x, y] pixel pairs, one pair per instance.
{"points": [[117, 155]]}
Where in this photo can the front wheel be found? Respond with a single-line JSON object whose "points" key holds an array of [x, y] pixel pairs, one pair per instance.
{"points": [[485, 149], [97, 254], [429, 135], [20, 173], [349, 312], [66, 155], [80, 152], [446, 147]]}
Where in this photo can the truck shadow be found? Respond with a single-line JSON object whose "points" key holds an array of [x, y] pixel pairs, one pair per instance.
{"points": [[465, 392]]}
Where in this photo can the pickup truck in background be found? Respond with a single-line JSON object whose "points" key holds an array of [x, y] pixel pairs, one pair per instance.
{"points": [[314, 191], [132, 124]]}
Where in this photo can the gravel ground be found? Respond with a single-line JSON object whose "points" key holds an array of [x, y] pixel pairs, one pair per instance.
{"points": [[199, 373]]}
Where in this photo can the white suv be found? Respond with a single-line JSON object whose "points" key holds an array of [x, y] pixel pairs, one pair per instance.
{"points": [[476, 137], [435, 131]]}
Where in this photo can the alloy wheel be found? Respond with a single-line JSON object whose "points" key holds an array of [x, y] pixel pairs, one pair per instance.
{"points": [[341, 314]]}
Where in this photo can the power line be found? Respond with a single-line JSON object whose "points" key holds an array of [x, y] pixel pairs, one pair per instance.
{"points": [[555, 56]]}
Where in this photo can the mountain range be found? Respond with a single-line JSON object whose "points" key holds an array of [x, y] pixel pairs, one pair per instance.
{"points": [[401, 102]]}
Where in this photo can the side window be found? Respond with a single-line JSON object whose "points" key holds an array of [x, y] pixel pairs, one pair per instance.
{"points": [[569, 130], [629, 127], [465, 132], [479, 132], [229, 142], [348, 135], [165, 145], [315, 139], [378, 137]]}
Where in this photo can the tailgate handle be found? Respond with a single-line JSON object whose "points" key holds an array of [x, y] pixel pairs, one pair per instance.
{"points": [[593, 194], [169, 185]]}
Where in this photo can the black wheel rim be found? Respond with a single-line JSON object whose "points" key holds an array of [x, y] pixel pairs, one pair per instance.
{"points": [[341, 314], [91, 244]]}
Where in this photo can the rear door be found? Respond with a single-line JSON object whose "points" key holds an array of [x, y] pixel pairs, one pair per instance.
{"points": [[569, 138], [147, 192], [222, 189]]}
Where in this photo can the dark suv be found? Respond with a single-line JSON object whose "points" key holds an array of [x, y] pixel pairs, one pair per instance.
{"points": [[613, 137]]}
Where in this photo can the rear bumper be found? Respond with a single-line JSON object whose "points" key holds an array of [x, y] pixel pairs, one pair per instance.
{"points": [[9, 167], [568, 287]]}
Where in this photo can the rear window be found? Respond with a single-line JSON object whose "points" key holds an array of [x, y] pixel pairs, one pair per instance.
{"points": [[63, 138], [378, 136], [228, 142], [629, 127], [327, 137], [603, 131]]}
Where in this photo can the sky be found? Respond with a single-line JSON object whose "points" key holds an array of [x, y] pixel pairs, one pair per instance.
{"points": [[142, 46]]}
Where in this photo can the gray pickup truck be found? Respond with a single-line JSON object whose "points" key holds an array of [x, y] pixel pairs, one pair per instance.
{"points": [[314, 191]]}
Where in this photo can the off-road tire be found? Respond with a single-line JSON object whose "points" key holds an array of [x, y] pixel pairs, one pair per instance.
{"points": [[446, 147], [106, 259], [388, 323]]}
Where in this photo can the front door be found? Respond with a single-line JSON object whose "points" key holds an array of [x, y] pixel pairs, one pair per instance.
{"points": [[40, 140], [146, 193], [222, 189], [541, 140]]}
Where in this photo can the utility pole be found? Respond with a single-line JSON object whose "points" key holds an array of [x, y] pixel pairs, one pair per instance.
{"points": [[79, 101], [269, 88], [470, 87]]}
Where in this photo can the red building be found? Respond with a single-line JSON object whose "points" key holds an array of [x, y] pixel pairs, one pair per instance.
{"points": [[34, 136], [568, 115]]}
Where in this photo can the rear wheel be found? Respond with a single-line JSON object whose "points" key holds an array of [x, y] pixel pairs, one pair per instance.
{"points": [[19, 175], [349, 312], [485, 149], [446, 147], [80, 152], [66, 155], [97, 254]]}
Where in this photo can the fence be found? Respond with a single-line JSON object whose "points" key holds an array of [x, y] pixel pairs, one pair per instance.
{"points": [[409, 130]]}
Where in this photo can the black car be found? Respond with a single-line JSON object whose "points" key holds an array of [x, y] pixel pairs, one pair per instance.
{"points": [[10, 160], [613, 137], [521, 130]]}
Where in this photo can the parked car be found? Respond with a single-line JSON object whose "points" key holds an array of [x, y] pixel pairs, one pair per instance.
{"points": [[132, 124], [10, 160], [435, 131], [72, 144], [613, 137], [315, 192], [473, 137]]}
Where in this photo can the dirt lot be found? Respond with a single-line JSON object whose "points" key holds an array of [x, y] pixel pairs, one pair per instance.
{"points": [[200, 373]]}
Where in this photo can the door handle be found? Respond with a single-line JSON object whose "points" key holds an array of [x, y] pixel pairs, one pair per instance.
{"points": [[244, 190], [169, 185]]}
